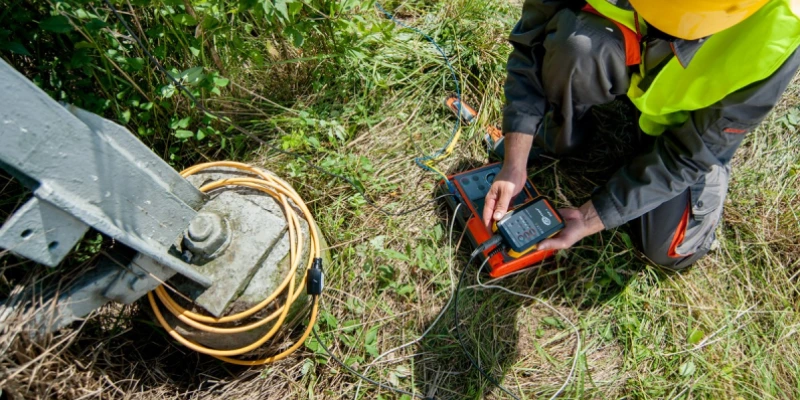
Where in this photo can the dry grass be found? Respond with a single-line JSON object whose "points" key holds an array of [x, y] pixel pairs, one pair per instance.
{"points": [[118, 353]]}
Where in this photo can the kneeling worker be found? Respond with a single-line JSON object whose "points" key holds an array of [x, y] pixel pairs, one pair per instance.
{"points": [[702, 73]]}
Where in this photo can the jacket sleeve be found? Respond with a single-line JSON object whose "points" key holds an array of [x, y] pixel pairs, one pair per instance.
{"points": [[525, 100], [682, 156]]}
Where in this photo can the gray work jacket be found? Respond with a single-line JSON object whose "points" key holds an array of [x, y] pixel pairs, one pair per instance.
{"points": [[679, 158]]}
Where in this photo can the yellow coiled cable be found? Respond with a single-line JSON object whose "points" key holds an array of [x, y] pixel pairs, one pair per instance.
{"points": [[282, 192]]}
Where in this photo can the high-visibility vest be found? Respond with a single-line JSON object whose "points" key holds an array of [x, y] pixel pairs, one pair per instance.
{"points": [[748, 52]]}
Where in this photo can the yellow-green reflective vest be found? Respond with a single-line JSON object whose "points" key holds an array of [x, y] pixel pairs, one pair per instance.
{"points": [[728, 61]]}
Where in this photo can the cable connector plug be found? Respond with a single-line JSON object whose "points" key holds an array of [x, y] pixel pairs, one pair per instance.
{"points": [[315, 278], [493, 241]]}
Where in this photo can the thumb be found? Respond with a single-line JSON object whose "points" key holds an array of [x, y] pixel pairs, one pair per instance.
{"points": [[555, 243], [546, 244], [564, 240], [488, 206], [500, 209]]}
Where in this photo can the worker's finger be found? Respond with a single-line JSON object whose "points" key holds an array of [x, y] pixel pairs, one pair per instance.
{"points": [[563, 240], [504, 199], [555, 243], [488, 206]]}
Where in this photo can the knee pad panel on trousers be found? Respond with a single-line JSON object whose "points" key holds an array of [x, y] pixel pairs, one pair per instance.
{"points": [[584, 53], [691, 217], [660, 258]]}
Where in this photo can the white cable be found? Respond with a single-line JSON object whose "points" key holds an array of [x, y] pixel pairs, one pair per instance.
{"points": [[438, 317], [553, 309]]}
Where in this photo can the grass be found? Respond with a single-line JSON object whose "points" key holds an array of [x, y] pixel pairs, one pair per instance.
{"points": [[367, 106]]}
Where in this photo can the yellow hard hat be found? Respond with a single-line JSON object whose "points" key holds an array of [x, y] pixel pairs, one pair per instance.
{"points": [[695, 19]]}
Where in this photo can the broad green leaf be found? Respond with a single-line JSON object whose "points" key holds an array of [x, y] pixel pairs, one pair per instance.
{"points": [[58, 24], [695, 336], [145, 131], [687, 369], [350, 325], [377, 242], [313, 345], [353, 361], [395, 255], [402, 371], [209, 22], [348, 340], [295, 7], [330, 320], [405, 289], [193, 75], [83, 14], [372, 350], [792, 118], [307, 365], [607, 332], [394, 379], [438, 232], [83, 45], [15, 47], [295, 35], [267, 6], [627, 239], [183, 134], [552, 321], [184, 19], [613, 275], [372, 335], [135, 63], [180, 123], [420, 256], [221, 82], [167, 91], [281, 8]]}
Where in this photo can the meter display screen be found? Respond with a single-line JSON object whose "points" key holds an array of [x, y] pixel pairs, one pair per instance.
{"points": [[529, 225]]}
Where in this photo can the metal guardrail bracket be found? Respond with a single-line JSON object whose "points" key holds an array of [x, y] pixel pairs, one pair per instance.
{"points": [[41, 232]]}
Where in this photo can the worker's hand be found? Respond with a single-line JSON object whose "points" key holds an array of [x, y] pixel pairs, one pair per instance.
{"points": [[508, 182], [511, 178], [580, 222]]}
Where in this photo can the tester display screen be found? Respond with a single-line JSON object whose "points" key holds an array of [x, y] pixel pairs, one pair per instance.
{"points": [[529, 225]]}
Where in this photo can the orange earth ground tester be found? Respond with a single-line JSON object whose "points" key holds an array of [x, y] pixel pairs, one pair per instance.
{"points": [[532, 219]]}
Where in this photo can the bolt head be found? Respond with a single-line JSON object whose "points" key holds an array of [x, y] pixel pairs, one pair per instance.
{"points": [[202, 226], [206, 235]]}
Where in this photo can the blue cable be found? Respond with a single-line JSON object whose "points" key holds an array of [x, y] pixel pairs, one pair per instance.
{"points": [[421, 160]]}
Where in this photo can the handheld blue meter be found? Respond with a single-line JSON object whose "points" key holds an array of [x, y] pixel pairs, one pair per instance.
{"points": [[523, 228]]}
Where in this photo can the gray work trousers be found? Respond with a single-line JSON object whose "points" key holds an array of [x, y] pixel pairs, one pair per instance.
{"points": [[583, 66]]}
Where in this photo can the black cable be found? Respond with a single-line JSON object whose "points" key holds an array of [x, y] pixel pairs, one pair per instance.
{"points": [[249, 134], [458, 324], [360, 191], [362, 377], [458, 337]]}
